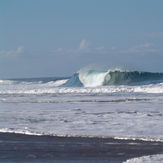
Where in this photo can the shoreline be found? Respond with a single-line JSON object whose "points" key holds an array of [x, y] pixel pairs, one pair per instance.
{"points": [[21, 147]]}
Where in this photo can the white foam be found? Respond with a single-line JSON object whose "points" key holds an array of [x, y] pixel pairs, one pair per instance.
{"points": [[57, 83], [140, 138], [147, 159], [7, 82], [152, 88], [26, 132], [15, 87]]}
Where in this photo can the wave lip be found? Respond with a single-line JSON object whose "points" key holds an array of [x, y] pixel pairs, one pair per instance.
{"points": [[93, 78]]}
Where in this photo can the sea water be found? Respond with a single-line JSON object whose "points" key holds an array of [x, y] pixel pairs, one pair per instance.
{"points": [[121, 104]]}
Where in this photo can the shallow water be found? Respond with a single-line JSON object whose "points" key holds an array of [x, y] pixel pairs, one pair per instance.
{"points": [[118, 114]]}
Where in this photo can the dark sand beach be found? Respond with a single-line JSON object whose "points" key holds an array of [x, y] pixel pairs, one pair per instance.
{"points": [[30, 148]]}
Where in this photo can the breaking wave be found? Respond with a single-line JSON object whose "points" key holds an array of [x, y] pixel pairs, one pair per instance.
{"points": [[91, 78], [87, 82]]}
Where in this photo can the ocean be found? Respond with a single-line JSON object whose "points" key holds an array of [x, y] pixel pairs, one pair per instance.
{"points": [[120, 104]]}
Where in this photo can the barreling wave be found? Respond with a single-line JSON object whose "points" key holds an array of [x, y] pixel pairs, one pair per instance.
{"points": [[93, 78]]}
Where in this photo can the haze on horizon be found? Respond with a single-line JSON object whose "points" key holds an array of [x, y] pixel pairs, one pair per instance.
{"points": [[57, 38]]}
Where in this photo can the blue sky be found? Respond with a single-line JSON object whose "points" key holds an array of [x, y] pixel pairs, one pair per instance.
{"points": [[58, 37]]}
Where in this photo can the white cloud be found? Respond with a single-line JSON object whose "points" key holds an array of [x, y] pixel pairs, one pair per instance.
{"points": [[19, 50], [142, 48], [84, 44], [83, 48]]}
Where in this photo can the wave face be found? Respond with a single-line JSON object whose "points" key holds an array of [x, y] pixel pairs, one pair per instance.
{"points": [[74, 81], [93, 78], [131, 77]]}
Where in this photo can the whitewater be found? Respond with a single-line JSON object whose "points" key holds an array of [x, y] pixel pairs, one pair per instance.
{"points": [[112, 103], [123, 104]]}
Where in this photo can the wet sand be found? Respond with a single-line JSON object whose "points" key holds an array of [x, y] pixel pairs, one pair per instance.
{"points": [[39, 149]]}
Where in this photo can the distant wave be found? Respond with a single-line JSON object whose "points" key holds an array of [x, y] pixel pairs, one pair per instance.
{"points": [[55, 81], [91, 78]]}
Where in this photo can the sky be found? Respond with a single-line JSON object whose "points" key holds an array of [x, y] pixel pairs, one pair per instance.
{"points": [[43, 38]]}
